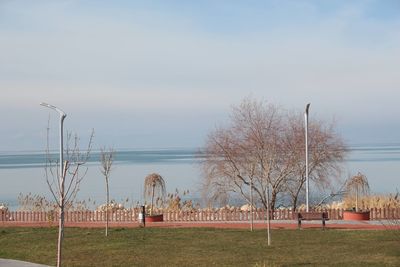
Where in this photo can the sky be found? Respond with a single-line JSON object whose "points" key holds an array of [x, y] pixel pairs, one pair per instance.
{"points": [[163, 74]]}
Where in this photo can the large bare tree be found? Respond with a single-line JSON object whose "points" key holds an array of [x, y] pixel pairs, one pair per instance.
{"points": [[65, 186], [263, 147]]}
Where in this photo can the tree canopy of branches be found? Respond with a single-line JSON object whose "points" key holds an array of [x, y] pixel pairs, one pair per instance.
{"points": [[154, 186], [263, 146], [73, 170]]}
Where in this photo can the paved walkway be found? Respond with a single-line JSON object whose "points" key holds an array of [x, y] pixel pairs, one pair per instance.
{"points": [[15, 263]]}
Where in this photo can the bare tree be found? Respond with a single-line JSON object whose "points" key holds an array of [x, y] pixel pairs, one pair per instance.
{"points": [[154, 185], [65, 186], [107, 159], [357, 184], [263, 145], [233, 154], [241, 158]]}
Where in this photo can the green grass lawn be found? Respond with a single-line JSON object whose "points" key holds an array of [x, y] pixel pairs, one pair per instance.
{"points": [[203, 247]]}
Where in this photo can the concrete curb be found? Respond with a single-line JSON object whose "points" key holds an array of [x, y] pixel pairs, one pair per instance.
{"points": [[15, 263]]}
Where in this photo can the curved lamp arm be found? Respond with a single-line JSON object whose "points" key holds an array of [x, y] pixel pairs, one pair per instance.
{"points": [[62, 113]]}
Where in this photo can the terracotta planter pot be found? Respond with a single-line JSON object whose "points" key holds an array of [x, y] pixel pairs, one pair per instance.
{"points": [[356, 216], [155, 218]]}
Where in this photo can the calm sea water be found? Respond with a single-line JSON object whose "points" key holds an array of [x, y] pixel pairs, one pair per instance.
{"points": [[23, 172]]}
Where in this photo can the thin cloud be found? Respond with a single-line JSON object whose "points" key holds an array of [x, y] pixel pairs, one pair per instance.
{"points": [[133, 59]]}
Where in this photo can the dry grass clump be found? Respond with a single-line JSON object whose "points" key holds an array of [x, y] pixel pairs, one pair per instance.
{"points": [[3, 207], [112, 206], [35, 202], [373, 201], [366, 202]]}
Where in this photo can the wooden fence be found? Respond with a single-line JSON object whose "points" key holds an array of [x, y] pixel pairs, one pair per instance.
{"points": [[131, 215]]}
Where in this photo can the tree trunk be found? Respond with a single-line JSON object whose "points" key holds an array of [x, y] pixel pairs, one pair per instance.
{"points": [[61, 219], [294, 203], [295, 197], [60, 235], [152, 199], [251, 206], [108, 202], [357, 199], [272, 202], [268, 218]]}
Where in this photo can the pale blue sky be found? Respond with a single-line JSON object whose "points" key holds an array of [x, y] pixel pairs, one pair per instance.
{"points": [[163, 74]]}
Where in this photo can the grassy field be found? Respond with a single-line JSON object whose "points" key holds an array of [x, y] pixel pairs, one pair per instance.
{"points": [[203, 247]]}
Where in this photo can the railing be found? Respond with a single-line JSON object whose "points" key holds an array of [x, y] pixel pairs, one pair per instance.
{"points": [[216, 215]]}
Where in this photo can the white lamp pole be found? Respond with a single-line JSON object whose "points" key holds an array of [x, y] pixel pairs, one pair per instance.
{"points": [[61, 178], [62, 117], [306, 134]]}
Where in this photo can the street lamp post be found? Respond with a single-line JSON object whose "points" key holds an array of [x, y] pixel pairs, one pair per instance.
{"points": [[62, 117], [61, 179], [306, 135]]}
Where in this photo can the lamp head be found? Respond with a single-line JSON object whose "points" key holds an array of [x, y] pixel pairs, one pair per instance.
{"points": [[307, 107], [62, 113]]}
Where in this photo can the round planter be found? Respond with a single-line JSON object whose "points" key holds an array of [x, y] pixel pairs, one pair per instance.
{"points": [[155, 218], [356, 216]]}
